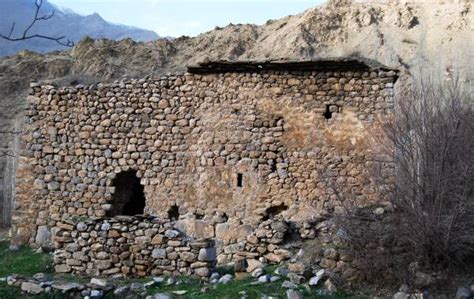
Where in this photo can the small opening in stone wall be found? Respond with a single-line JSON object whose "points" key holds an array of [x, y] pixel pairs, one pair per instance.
{"points": [[128, 198], [327, 114], [240, 180], [272, 211], [225, 218], [273, 166], [173, 212], [199, 216]]}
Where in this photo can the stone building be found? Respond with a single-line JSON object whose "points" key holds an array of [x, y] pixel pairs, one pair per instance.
{"points": [[229, 143]]}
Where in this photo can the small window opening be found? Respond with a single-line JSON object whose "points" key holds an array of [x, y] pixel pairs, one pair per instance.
{"points": [[199, 216], [225, 217], [173, 213], [328, 114], [273, 211], [128, 198], [240, 180], [273, 166]]}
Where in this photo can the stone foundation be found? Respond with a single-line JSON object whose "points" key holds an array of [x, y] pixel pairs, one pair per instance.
{"points": [[129, 246], [142, 246]]}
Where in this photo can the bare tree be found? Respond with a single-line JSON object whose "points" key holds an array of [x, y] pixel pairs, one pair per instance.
{"points": [[429, 139], [62, 40]]}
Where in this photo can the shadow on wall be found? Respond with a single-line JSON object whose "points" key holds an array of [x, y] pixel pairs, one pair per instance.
{"points": [[128, 198]]}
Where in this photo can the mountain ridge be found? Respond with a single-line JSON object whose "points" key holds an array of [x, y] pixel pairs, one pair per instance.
{"points": [[395, 33], [65, 22]]}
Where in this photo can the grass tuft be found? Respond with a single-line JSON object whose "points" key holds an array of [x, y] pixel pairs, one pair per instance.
{"points": [[23, 261]]}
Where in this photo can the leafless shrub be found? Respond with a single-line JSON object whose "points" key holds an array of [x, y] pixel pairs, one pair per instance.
{"points": [[429, 138], [432, 144]]}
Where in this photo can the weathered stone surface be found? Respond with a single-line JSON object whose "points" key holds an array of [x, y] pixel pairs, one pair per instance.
{"points": [[43, 236], [62, 268], [158, 253], [171, 233], [253, 264], [207, 254], [99, 282], [196, 228], [203, 271], [31, 288], [239, 157]]}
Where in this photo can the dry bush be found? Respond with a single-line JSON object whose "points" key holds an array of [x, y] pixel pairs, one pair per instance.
{"points": [[430, 140], [432, 144]]}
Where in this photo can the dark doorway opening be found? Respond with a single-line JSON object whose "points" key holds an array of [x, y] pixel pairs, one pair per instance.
{"points": [[128, 198]]}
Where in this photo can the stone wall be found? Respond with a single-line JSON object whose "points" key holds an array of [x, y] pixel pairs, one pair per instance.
{"points": [[235, 147], [124, 245], [142, 246]]}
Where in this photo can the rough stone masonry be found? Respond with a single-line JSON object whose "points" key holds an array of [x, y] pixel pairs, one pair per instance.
{"points": [[217, 151]]}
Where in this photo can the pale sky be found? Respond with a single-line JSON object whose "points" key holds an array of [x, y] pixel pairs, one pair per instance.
{"points": [[187, 17]]}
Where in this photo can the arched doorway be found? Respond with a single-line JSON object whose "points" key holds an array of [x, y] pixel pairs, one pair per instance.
{"points": [[128, 198]]}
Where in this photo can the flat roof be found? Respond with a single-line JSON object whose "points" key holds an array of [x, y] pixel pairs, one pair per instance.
{"points": [[329, 64]]}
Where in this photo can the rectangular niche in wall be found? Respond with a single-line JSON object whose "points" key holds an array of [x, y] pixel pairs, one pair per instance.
{"points": [[128, 198], [240, 180]]}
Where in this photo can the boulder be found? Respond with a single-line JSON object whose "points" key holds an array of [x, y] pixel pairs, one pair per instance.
{"points": [[31, 288]]}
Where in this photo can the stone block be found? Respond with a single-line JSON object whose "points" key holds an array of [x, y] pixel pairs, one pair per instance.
{"points": [[158, 253], [207, 254]]}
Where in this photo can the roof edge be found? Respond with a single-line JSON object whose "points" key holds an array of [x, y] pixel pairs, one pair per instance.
{"points": [[327, 64]]}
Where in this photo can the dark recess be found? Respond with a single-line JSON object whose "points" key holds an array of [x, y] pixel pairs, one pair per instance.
{"points": [[271, 212], [173, 212], [327, 114], [240, 180], [128, 198]]}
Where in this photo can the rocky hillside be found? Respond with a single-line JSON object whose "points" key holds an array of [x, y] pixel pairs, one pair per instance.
{"points": [[393, 33], [64, 23]]}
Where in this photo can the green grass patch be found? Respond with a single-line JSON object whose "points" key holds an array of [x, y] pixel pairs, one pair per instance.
{"points": [[234, 289], [23, 261]]}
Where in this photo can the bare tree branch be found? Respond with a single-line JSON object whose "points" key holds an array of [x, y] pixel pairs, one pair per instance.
{"points": [[61, 40]]}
